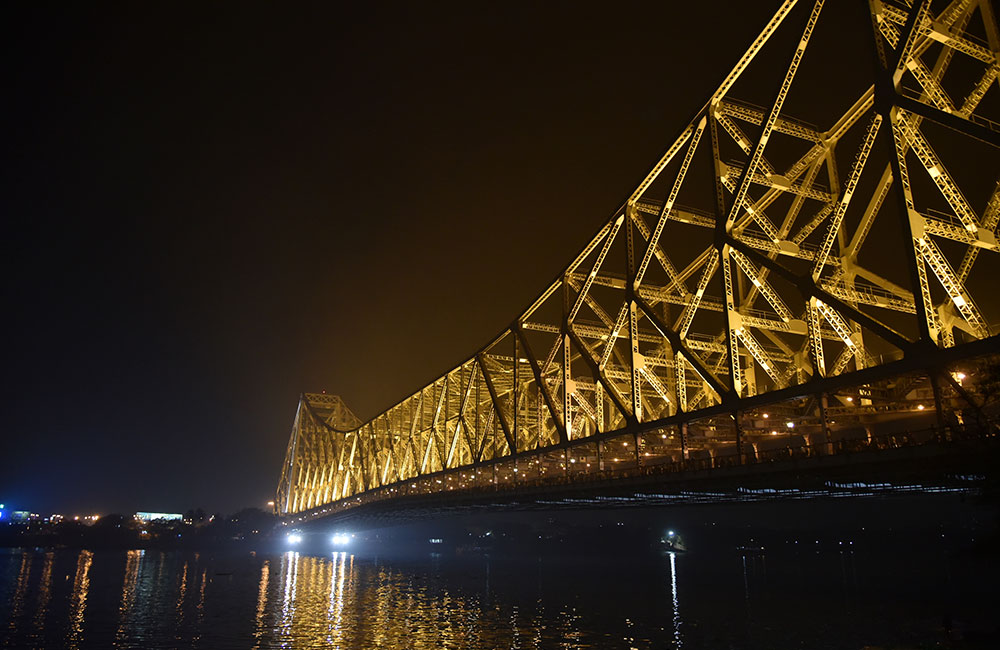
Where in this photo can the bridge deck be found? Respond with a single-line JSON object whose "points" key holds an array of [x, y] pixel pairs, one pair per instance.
{"points": [[923, 461]]}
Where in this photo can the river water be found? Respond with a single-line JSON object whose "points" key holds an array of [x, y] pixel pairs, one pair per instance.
{"points": [[789, 597]]}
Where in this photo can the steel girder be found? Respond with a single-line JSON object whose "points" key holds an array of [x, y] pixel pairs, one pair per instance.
{"points": [[761, 252]]}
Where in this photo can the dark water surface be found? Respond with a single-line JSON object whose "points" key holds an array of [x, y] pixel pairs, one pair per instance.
{"points": [[788, 598]]}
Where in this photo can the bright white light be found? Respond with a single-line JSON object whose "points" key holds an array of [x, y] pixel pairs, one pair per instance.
{"points": [[341, 539], [670, 533], [294, 538], [790, 425]]}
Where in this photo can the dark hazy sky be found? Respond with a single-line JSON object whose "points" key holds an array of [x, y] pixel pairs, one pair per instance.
{"points": [[209, 208]]}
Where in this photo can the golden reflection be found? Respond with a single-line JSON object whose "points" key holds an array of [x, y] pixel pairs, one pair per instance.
{"points": [[515, 629], [23, 576], [44, 592], [181, 593], [538, 622], [334, 602], [265, 574], [132, 560], [179, 607], [321, 602], [78, 599], [201, 594], [200, 607], [569, 626]]}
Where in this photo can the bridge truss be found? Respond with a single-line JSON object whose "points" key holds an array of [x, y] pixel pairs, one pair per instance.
{"points": [[773, 286]]}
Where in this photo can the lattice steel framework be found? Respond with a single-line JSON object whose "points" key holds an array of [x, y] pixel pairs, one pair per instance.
{"points": [[761, 252]]}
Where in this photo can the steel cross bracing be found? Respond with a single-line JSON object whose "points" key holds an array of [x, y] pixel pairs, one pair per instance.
{"points": [[832, 207]]}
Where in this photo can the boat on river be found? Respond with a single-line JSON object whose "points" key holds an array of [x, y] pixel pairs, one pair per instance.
{"points": [[672, 541]]}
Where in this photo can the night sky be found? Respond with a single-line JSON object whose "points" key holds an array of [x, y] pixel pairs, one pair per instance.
{"points": [[209, 208]]}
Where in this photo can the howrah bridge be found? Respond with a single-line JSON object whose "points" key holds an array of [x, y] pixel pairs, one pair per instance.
{"points": [[804, 281]]}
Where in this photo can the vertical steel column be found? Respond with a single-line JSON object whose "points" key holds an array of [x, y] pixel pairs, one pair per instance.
{"points": [[721, 249], [567, 374], [885, 105], [515, 328], [633, 327]]}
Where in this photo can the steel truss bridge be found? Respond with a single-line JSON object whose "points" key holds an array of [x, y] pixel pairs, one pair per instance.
{"points": [[806, 274]]}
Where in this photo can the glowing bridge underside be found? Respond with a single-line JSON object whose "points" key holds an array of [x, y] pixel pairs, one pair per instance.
{"points": [[773, 288]]}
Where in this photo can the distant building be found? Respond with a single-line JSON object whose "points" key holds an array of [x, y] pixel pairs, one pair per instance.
{"points": [[147, 517], [20, 515]]}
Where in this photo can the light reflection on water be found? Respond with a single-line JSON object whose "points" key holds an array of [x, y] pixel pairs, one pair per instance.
{"points": [[265, 575], [678, 641], [150, 599], [17, 609], [181, 593], [128, 594], [44, 593], [78, 598]]}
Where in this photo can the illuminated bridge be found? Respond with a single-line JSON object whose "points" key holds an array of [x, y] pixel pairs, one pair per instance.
{"points": [[804, 281]]}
